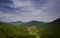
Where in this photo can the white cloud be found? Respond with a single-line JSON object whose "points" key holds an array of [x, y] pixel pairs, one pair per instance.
{"points": [[29, 11], [6, 15], [19, 3]]}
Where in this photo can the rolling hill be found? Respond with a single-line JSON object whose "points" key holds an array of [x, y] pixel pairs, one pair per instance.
{"points": [[18, 28]]}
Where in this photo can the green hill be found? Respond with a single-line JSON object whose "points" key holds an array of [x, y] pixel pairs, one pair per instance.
{"points": [[35, 28]]}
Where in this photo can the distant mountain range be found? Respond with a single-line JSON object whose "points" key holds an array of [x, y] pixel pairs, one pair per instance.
{"points": [[36, 22], [57, 21]]}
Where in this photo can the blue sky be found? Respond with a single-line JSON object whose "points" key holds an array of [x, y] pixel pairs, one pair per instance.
{"points": [[27, 10]]}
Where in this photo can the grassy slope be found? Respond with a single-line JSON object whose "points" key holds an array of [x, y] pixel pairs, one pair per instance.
{"points": [[46, 30]]}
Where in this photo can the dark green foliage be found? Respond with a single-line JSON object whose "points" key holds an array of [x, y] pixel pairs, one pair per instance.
{"points": [[45, 30]]}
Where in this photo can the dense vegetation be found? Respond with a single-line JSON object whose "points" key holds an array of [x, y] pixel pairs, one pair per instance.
{"points": [[33, 29]]}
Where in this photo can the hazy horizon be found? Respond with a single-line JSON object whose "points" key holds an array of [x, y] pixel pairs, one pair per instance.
{"points": [[28, 10]]}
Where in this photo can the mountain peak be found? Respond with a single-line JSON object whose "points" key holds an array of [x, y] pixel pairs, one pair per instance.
{"points": [[33, 21], [56, 21]]}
